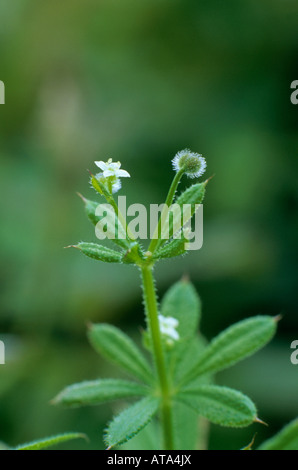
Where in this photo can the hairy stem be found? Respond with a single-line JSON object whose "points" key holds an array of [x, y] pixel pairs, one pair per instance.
{"points": [[129, 234], [159, 357], [155, 242]]}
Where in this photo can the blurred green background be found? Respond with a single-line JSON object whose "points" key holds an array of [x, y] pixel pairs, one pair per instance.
{"points": [[138, 81]]}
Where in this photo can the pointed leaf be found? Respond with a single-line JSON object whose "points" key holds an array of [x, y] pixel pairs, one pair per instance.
{"points": [[117, 347], [99, 252], [220, 405], [131, 421], [109, 225], [286, 439], [93, 214], [234, 344], [50, 441], [182, 210], [183, 303], [99, 391], [90, 208], [175, 247]]}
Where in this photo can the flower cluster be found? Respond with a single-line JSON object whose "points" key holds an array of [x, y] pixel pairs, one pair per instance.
{"points": [[111, 174]]}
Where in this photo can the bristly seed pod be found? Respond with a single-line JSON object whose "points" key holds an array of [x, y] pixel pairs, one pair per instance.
{"points": [[193, 164]]}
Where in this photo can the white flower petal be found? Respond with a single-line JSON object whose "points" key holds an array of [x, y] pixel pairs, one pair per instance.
{"points": [[174, 334], [123, 174], [167, 327], [101, 165], [172, 322]]}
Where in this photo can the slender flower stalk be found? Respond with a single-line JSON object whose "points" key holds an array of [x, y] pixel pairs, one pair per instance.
{"points": [[185, 162], [173, 188]]}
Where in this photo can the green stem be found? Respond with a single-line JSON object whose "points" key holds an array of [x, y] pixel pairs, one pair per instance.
{"points": [[155, 240], [153, 324], [100, 188], [129, 234]]}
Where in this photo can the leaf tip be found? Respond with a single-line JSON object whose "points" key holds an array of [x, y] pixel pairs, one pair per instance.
{"points": [[56, 400], [258, 420], [207, 180], [84, 436], [249, 446], [82, 197], [278, 318], [185, 278], [72, 246]]}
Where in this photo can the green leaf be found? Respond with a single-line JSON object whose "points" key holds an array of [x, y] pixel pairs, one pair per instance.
{"points": [[131, 421], [109, 219], [188, 358], [109, 226], [175, 247], [50, 441], [98, 391], [220, 405], [183, 303], [177, 215], [90, 208], [99, 252], [234, 344], [117, 347], [286, 439], [147, 439], [185, 426]]}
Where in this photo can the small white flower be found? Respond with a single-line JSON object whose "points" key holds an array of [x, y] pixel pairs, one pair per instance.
{"points": [[111, 168], [167, 326], [194, 164]]}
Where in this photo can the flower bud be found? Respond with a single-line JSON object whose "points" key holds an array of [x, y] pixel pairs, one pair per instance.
{"points": [[193, 164]]}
